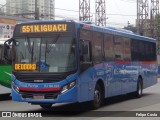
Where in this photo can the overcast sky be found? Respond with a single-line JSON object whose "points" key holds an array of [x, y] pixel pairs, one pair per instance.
{"points": [[119, 12]]}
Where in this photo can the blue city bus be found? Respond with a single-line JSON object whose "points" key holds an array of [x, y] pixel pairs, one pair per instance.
{"points": [[68, 61]]}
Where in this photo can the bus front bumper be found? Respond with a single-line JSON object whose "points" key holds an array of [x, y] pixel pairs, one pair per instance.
{"points": [[31, 97]]}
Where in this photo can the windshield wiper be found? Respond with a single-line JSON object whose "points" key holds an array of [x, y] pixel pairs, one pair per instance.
{"points": [[30, 47]]}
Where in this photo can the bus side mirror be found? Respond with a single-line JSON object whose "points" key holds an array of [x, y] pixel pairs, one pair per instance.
{"points": [[7, 50]]}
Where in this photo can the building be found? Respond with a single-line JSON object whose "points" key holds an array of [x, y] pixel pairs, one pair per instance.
{"points": [[7, 24], [26, 8], [2, 9]]}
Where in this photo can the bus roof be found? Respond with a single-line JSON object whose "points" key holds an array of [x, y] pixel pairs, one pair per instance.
{"points": [[111, 30], [118, 31]]}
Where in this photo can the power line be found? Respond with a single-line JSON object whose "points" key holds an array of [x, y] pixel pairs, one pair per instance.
{"points": [[129, 1], [66, 17], [75, 11], [118, 8], [95, 13]]}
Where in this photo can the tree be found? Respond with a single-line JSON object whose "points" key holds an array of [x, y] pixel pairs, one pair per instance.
{"points": [[131, 28]]}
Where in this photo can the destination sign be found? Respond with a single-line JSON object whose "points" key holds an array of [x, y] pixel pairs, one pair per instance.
{"points": [[25, 67], [43, 28]]}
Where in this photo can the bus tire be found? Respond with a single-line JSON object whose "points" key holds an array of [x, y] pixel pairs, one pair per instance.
{"points": [[46, 106], [6, 96], [98, 97], [139, 90]]}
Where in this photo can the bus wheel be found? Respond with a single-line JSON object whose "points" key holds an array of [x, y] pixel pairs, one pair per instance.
{"points": [[46, 106], [6, 96], [139, 91], [97, 101]]}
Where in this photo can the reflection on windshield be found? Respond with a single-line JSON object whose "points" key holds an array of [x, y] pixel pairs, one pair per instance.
{"points": [[55, 54]]}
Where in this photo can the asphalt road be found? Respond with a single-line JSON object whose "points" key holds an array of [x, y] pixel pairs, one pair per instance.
{"points": [[4, 90], [115, 108]]}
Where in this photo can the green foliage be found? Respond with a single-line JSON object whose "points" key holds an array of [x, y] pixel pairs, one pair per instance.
{"points": [[131, 28]]}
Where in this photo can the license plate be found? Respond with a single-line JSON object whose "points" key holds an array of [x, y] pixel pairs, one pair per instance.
{"points": [[38, 97]]}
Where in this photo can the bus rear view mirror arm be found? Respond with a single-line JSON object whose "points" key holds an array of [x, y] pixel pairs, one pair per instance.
{"points": [[7, 47]]}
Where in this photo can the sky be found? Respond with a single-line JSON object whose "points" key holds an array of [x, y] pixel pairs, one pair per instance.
{"points": [[118, 12]]}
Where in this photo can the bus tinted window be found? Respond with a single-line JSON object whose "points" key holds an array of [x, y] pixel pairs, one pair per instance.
{"points": [[108, 47], [118, 47], [153, 53], [97, 46], [143, 51], [127, 49], [85, 34], [147, 51], [134, 50], [141, 47]]}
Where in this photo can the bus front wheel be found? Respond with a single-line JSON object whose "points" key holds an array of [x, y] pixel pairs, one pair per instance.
{"points": [[98, 96]]}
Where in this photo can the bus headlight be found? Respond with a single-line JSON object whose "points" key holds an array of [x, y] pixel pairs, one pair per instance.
{"points": [[15, 87], [68, 86]]}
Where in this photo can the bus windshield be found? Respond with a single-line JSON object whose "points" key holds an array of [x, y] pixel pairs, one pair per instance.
{"points": [[49, 54]]}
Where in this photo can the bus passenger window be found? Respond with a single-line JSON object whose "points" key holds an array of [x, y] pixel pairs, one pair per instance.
{"points": [[97, 48], [108, 47], [118, 48], [127, 49]]}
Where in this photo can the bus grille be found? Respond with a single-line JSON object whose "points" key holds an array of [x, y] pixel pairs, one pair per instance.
{"points": [[26, 95]]}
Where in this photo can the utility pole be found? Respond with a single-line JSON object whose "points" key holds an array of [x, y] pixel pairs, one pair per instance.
{"points": [[154, 18], [84, 10], [142, 17], [36, 10], [100, 17]]}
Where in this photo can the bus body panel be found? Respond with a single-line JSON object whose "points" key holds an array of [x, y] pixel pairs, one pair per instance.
{"points": [[116, 83], [87, 81], [116, 80], [150, 74], [68, 96]]}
